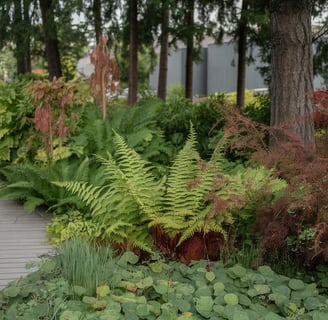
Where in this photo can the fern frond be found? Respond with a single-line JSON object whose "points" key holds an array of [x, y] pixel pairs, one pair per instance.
{"points": [[135, 175], [116, 229], [184, 169], [32, 203], [86, 193], [130, 194]]}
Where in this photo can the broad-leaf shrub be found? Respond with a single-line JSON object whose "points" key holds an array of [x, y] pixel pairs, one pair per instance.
{"points": [[258, 109], [137, 125], [15, 108], [175, 115]]}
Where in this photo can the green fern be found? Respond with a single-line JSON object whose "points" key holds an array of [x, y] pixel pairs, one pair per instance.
{"points": [[202, 197], [130, 195], [32, 183], [187, 207], [197, 196]]}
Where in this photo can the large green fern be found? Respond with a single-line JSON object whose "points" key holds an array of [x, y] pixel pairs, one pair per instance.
{"points": [[130, 195], [187, 206], [197, 196], [203, 197]]}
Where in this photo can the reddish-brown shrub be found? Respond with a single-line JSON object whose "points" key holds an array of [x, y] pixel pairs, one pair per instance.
{"points": [[52, 116], [305, 202]]}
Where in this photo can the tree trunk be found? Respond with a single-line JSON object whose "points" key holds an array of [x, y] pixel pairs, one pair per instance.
{"points": [[190, 49], [292, 69], [50, 39], [133, 54], [163, 62], [96, 9], [22, 27], [242, 49], [27, 20]]}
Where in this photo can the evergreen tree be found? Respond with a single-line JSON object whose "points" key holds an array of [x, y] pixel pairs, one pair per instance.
{"points": [[292, 69], [50, 38]]}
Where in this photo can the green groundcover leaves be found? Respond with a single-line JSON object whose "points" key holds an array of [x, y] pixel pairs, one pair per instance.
{"points": [[164, 291]]}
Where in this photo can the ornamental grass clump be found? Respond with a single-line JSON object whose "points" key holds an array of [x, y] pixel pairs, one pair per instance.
{"points": [[85, 265]]}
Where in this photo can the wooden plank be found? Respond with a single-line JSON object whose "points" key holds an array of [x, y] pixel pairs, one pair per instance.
{"points": [[22, 240]]}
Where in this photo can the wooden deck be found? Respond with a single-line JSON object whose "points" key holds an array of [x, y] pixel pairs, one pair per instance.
{"points": [[22, 240]]}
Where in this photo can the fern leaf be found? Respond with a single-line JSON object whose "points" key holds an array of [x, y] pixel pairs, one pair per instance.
{"points": [[32, 203]]}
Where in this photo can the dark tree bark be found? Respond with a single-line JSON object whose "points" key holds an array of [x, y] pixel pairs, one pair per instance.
{"points": [[50, 39], [292, 68], [190, 48], [22, 27], [96, 9], [133, 54], [27, 20], [242, 49], [163, 62]]}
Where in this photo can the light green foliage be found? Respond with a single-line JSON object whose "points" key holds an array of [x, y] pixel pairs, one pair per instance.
{"points": [[209, 196], [127, 289], [122, 206], [197, 196], [186, 208]]}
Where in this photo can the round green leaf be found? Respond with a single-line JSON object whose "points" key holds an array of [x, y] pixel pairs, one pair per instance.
{"points": [[161, 288], [157, 267], [266, 271], [319, 315], [11, 292], [231, 299], [238, 271], [240, 315], [79, 291], [272, 316], [244, 300], [48, 266], [262, 289], [218, 287], [128, 257], [203, 291], [204, 305], [312, 303], [129, 307], [89, 300], [182, 304], [282, 290], [143, 310], [210, 276], [296, 284], [278, 298], [103, 291], [70, 315], [145, 283], [155, 307], [184, 289]]}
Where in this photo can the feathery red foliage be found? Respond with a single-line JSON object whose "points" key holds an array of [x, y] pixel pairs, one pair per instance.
{"points": [[106, 74], [52, 100], [305, 203]]}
